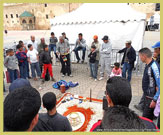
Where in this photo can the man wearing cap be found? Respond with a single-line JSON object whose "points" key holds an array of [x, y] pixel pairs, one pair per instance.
{"points": [[105, 57], [128, 60], [97, 44], [157, 51], [80, 45]]}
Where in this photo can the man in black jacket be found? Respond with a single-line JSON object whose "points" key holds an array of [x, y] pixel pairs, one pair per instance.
{"points": [[128, 60]]}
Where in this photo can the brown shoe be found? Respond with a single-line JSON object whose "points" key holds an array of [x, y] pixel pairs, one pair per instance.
{"points": [[53, 79]]}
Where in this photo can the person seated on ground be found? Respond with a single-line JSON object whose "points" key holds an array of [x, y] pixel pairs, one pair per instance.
{"points": [[18, 83], [21, 108], [116, 70], [118, 93], [52, 120]]}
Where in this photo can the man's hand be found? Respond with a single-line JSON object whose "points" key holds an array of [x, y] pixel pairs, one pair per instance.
{"points": [[153, 104], [156, 88]]}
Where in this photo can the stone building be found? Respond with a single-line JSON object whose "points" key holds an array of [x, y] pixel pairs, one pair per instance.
{"points": [[29, 16]]}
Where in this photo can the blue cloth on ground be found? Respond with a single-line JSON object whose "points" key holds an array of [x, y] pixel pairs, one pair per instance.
{"points": [[67, 84]]}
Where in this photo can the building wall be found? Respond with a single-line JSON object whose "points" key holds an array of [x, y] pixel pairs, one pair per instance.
{"points": [[43, 13]]}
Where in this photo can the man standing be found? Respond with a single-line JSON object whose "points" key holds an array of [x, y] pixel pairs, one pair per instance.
{"points": [[33, 42], [97, 44], [63, 49], [80, 45], [157, 51], [105, 57], [150, 82], [128, 60]]}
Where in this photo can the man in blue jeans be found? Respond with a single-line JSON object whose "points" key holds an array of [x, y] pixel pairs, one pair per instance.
{"points": [[80, 45], [128, 60], [32, 55]]}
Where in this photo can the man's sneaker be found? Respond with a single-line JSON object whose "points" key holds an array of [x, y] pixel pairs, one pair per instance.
{"points": [[101, 78], [63, 75], [29, 77], [53, 79], [43, 80], [82, 61], [78, 61], [71, 75], [138, 108]]}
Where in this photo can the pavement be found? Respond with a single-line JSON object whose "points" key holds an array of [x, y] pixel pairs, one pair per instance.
{"points": [[80, 72]]}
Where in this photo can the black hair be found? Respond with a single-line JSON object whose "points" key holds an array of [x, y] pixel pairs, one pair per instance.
{"points": [[116, 64], [63, 33], [9, 50], [93, 46], [52, 33], [80, 34], [20, 108], [19, 46], [119, 118], [20, 42], [119, 90], [45, 46], [146, 51], [49, 100], [29, 46]]}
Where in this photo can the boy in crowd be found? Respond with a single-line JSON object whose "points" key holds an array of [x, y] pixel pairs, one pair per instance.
{"points": [[92, 62], [53, 120], [46, 61], [11, 63], [116, 70], [22, 59], [52, 46], [21, 108], [33, 57]]}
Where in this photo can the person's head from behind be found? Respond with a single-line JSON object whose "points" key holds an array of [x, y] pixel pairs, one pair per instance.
{"points": [[118, 91], [116, 65], [52, 34], [120, 118], [145, 55], [93, 48], [46, 48], [33, 38], [80, 35], [128, 43], [30, 47], [21, 109], [21, 43], [95, 38], [19, 47], [19, 83], [49, 101], [42, 40], [11, 52]]}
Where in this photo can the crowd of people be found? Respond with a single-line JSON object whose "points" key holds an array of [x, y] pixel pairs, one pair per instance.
{"points": [[22, 104]]}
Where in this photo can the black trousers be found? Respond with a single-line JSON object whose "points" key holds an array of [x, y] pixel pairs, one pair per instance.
{"points": [[148, 112], [65, 64], [141, 103]]}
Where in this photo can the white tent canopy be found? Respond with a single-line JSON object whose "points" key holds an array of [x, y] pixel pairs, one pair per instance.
{"points": [[117, 20]]}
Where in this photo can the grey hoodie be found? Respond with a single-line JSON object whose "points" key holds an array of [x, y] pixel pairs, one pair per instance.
{"points": [[11, 62], [105, 50]]}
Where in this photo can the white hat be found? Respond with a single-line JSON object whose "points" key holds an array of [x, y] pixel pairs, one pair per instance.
{"points": [[128, 41]]}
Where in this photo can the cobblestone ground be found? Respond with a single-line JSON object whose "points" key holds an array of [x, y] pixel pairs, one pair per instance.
{"points": [[80, 74]]}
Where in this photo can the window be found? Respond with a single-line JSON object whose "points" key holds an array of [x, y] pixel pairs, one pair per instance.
{"points": [[6, 16], [12, 21], [47, 17], [46, 5], [17, 21], [7, 21], [11, 15], [17, 16]]}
